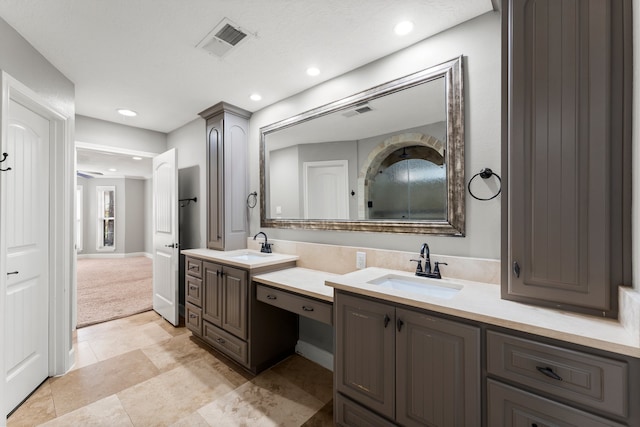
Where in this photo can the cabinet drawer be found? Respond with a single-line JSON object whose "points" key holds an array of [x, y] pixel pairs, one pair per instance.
{"points": [[349, 413], [193, 318], [193, 267], [594, 381], [193, 290], [308, 307], [225, 342], [511, 407]]}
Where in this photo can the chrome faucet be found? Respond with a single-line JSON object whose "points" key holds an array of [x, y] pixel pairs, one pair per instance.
{"points": [[266, 246], [426, 272]]}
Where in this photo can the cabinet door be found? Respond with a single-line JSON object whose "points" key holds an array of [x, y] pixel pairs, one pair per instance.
{"points": [[234, 301], [212, 304], [365, 352], [565, 152], [215, 168], [438, 371]]}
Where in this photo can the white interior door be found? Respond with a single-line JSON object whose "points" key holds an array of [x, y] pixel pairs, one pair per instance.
{"points": [[326, 189], [165, 236], [24, 213]]}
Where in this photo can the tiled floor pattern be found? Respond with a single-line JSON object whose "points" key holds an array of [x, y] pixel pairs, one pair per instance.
{"points": [[141, 371]]}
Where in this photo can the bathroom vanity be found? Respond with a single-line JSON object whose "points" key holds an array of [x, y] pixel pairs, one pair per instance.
{"points": [[467, 358], [222, 310]]}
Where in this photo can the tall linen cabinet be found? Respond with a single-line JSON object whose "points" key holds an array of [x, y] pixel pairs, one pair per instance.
{"points": [[566, 151], [227, 136]]}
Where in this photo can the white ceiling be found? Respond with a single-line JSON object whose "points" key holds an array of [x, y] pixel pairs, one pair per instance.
{"points": [[97, 164], [141, 54]]}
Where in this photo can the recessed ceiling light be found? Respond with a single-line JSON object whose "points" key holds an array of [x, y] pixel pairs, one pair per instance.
{"points": [[113, 170], [313, 71], [137, 158], [255, 97], [125, 112], [403, 28]]}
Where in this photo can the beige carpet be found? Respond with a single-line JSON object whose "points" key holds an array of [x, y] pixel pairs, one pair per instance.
{"points": [[113, 288]]}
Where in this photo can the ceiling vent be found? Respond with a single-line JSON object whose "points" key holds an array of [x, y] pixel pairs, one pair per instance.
{"points": [[357, 110], [224, 37]]}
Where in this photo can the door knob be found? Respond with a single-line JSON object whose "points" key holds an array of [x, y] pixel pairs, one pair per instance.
{"points": [[173, 245]]}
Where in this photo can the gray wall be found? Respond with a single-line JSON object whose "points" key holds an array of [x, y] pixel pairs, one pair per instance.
{"points": [[135, 220], [189, 141], [101, 132], [479, 41], [24, 63], [131, 222]]}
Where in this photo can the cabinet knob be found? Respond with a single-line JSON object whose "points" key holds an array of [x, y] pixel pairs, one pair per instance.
{"points": [[387, 319], [220, 340], [399, 323], [516, 269]]}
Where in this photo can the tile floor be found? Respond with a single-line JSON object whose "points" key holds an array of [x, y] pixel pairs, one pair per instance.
{"points": [[141, 371]]}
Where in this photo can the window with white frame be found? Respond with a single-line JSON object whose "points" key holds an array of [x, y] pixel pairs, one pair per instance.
{"points": [[79, 208], [106, 233]]}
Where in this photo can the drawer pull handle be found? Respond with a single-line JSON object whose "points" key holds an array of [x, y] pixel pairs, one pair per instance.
{"points": [[193, 288], [271, 296], [220, 340], [387, 319], [399, 324], [193, 268], [192, 316], [549, 372], [307, 308]]}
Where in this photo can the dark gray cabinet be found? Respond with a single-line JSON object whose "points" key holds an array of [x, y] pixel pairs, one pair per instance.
{"points": [[413, 368], [227, 178], [536, 382], [566, 152], [226, 298], [510, 407], [222, 310]]}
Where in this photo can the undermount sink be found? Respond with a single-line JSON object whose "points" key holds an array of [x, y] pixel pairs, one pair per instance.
{"points": [[419, 285], [249, 256]]}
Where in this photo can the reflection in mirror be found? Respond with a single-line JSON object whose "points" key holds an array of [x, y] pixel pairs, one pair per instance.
{"points": [[387, 159]]}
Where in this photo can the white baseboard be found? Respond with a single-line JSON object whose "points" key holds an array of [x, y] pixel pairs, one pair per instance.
{"points": [[315, 354], [112, 255]]}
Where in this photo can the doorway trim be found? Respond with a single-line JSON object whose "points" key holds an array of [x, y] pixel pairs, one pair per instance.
{"points": [[61, 229]]}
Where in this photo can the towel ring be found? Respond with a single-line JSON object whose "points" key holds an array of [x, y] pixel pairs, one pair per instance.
{"points": [[485, 173], [252, 200]]}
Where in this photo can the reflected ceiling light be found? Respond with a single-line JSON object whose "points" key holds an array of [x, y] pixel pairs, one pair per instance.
{"points": [[113, 170], [313, 71], [255, 97], [126, 112], [137, 158], [403, 28]]}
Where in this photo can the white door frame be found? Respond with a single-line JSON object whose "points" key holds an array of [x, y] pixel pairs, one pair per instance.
{"points": [[61, 229]]}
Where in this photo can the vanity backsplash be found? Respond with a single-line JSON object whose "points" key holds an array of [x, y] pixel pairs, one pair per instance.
{"points": [[342, 259]]}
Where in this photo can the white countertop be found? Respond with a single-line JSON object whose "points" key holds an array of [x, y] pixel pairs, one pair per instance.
{"points": [[301, 281], [481, 302], [254, 259]]}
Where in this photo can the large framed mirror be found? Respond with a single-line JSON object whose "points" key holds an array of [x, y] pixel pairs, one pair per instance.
{"points": [[389, 159]]}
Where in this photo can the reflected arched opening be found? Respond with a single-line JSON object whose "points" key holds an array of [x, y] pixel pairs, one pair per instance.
{"points": [[410, 183]]}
